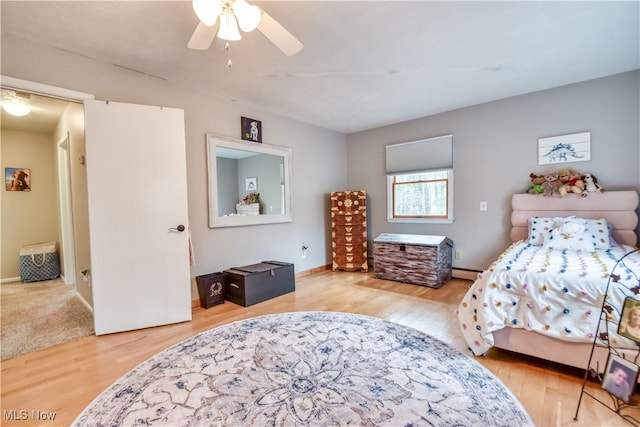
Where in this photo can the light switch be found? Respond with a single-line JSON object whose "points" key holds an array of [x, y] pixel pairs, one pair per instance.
{"points": [[483, 206]]}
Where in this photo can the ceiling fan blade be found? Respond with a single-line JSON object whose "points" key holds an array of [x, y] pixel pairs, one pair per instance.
{"points": [[278, 35], [202, 37]]}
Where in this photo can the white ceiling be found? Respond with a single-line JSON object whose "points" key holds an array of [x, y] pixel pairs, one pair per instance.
{"points": [[365, 64], [44, 116]]}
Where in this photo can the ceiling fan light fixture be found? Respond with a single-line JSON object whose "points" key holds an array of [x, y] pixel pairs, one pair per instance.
{"points": [[228, 26], [248, 15], [207, 11], [17, 110]]}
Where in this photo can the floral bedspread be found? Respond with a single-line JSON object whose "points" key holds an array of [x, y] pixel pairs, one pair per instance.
{"points": [[555, 293]]}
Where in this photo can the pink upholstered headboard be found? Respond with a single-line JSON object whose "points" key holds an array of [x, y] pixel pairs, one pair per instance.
{"points": [[617, 207]]}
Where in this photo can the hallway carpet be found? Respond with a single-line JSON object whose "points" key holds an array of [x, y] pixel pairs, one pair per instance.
{"points": [[39, 315]]}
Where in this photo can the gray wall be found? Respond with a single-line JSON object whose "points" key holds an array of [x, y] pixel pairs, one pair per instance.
{"points": [[266, 168], [227, 185], [495, 149]]}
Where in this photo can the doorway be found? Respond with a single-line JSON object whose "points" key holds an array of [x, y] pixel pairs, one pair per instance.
{"points": [[130, 220], [43, 141], [45, 213], [59, 113]]}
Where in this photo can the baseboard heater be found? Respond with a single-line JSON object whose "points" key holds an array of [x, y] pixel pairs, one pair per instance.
{"points": [[462, 273]]}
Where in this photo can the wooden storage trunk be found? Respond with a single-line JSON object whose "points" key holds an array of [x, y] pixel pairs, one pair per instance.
{"points": [[413, 258], [255, 283]]}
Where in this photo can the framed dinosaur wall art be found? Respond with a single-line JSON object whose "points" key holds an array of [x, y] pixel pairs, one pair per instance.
{"points": [[574, 147]]}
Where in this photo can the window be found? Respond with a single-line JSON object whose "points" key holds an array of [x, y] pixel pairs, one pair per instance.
{"points": [[420, 197], [420, 180]]}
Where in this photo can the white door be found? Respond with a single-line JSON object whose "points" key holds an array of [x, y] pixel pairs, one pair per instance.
{"points": [[137, 189]]}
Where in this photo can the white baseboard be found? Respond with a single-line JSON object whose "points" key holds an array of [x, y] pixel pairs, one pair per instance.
{"points": [[84, 301], [64, 279], [10, 279]]}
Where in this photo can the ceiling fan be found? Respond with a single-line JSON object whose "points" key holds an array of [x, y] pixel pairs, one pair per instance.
{"points": [[234, 13]]}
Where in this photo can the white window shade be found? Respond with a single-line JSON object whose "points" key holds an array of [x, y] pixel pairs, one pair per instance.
{"points": [[423, 155]]}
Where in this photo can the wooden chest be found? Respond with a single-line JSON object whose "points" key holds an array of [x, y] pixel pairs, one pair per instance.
{"points": [[413, 258], [349, 230], [255, 283]]}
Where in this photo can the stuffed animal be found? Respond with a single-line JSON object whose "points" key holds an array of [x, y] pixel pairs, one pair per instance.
{"points": [[568, 227], [576, 185], [535, 186], [591, 183], [551, 185], [571, 182], [564, 175]]}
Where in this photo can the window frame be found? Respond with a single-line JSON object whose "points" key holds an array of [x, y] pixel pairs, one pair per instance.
{"points": [[420, 219]]}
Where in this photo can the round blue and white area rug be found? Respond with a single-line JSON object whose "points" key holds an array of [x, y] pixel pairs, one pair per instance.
{"points": [[308, 368]]}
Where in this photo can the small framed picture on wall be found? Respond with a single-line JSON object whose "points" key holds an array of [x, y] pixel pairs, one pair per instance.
{"points": [[17, 179], [251, 129], [251, 184]]}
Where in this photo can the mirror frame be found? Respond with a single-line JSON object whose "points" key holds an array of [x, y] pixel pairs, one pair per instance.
{"points": [[216, 221]]}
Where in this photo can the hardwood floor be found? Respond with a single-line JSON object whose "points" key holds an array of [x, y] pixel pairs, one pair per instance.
{"points": [[62, 380]]}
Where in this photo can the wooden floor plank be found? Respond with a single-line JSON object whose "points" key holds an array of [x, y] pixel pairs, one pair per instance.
{"points": [[64, 379]]}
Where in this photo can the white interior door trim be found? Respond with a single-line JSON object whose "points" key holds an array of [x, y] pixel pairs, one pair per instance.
{"points": [[43, 89], [66, 211]]}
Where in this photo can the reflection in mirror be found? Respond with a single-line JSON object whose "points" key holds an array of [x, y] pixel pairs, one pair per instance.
{"points": [[249, 183]]}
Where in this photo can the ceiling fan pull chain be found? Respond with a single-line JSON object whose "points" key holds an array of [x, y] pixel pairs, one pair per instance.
{"points": [[227, 47]]}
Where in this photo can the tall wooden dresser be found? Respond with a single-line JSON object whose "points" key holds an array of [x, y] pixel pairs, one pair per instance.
{"points": [[349, 230]]}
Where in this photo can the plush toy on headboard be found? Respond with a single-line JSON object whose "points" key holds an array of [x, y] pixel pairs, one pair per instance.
{"points": [[551, 184], [563, 182], [573, 184], [591, 183], [564, 175], [535, 186]]}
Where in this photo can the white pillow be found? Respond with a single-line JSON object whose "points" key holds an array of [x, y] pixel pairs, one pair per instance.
{"points": [[601, 233], [538, 228], [578, 234]]}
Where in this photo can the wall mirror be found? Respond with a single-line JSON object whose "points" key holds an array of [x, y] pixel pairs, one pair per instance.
{"points": [[239, 170]]}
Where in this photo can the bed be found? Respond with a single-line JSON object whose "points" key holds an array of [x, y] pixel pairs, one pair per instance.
{"points": [[544, 299]]}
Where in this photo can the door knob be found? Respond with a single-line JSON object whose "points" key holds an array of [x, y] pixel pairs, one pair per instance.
{"points": [[179, 228]]}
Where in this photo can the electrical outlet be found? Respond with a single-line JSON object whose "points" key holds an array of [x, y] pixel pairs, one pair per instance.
{"points": [[483, 206], [458, 254], [86, 276]]}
